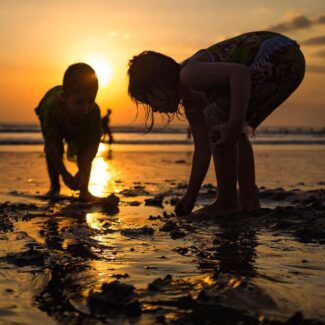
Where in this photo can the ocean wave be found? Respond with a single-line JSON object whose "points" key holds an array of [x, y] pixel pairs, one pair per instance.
{"points": [[169, 142], [263, 130]]}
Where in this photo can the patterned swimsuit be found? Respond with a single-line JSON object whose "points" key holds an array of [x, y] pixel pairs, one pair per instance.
{"points": [[277, 68]]}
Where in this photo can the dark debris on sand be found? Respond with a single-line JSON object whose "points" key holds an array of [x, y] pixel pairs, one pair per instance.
{"points": [[28, 258], [136, 232], [173, 229], [114, 298], [135, 191], [5, 224], [304, 219], [228, 297], [155, 201], [228, 301]]}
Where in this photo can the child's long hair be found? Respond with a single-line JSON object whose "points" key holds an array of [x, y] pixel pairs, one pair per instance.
{"points": [[148, 71], [79, 77]]}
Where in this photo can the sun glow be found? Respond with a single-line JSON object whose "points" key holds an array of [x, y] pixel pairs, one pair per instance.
{"points": [[103, 68]]}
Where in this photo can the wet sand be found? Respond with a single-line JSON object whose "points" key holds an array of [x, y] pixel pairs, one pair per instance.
{"points": [[69, 262]]}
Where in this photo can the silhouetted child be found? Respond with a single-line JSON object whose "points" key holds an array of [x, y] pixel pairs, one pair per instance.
{"points": [[106, 127], [227, 90], [69, 113]]}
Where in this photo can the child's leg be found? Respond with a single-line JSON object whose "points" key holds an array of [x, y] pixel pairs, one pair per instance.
{"points": [[248, 194], [54, 179], [54, 175], [226, 169]]}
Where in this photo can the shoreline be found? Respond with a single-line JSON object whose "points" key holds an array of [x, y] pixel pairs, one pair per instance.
{"points": [[55, 257]]}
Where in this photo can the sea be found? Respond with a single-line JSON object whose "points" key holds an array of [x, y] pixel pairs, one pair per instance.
{"points": [[54, 255], [29, 134]]}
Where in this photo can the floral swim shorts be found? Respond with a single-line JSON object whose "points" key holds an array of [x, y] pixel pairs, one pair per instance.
{"points": [[276, 72]]}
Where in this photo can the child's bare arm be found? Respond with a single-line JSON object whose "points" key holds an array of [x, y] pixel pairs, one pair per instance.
{"points": [[84, 163], [200, 75], [202, 152], [200, 162], [52, 150]]}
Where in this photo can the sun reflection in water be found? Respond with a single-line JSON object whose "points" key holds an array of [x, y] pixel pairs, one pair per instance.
{"points": [[94, 220], [98, 221], [97, 225], [103, 174]]}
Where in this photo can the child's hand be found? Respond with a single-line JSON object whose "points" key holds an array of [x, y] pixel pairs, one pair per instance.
{"points": [[225, 135], [184, 206], [69, 180]]}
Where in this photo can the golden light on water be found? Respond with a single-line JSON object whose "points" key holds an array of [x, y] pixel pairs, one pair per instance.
{"points": [[103, 174], [103, 68], [94, 220]]}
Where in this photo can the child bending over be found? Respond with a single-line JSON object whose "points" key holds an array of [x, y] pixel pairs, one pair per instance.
{"points": [[69, 113], [227, 90]]}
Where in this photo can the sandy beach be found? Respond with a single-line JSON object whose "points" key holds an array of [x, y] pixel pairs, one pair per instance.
{"points": [[158, 87], [69, 262]]}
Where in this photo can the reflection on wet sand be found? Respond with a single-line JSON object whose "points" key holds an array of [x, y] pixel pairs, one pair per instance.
{"points": [[172, 271], [235, 245], [103, 174]]}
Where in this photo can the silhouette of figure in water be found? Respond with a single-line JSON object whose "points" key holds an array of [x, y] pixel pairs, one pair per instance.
{"points": [[106, 127]]}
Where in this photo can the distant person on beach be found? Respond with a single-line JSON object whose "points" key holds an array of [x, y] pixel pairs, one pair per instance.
{"points": [[69, 113], [226, 90], [106, 121]]}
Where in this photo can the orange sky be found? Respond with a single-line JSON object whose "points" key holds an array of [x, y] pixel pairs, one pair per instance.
{"points": [[39, 39]]}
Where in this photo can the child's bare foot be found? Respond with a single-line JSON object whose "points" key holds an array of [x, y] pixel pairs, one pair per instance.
{"points": [[249, 203], [215, 210], [52, 193], [88, 197], [249, 206]]}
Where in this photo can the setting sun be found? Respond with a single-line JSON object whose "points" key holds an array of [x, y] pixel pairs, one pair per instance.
{"points": [[102, 67]]}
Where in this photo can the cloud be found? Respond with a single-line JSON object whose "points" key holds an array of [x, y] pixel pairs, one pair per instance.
{"points": [[321, 20], [260, 10], [114, 33], [298, 22], [320, 40], [320, 54], [316, 69], [291, 14]]}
